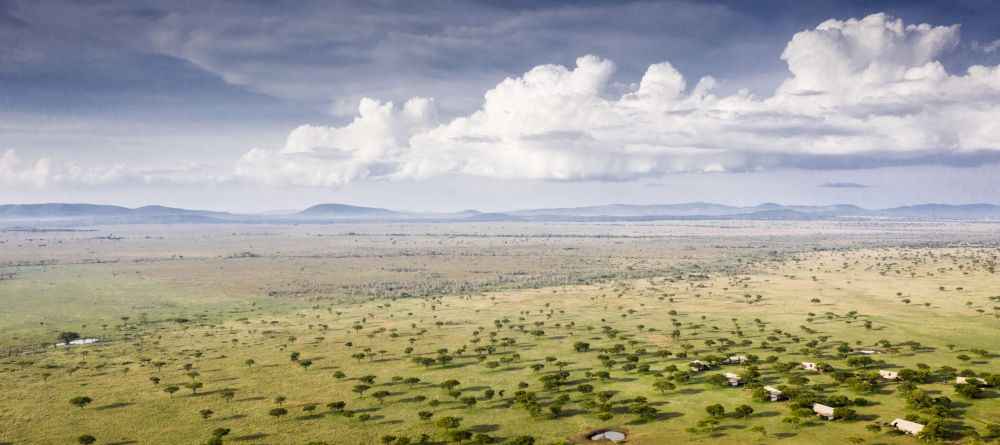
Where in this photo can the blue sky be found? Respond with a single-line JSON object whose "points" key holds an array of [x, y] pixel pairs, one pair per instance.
{"points": [[253, 106]]}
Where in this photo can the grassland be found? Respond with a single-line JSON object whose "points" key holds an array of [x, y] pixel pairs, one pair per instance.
{"points": [[348, 301]]}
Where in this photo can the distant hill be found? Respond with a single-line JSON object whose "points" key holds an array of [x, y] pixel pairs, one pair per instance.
{"points": [[347, 212], [944, 211], [59, 210], [63, 214], [63, 211], [685, 209]]}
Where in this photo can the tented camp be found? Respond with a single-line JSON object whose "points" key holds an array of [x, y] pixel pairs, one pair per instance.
{"points": [[809, 366], [737, 360], [774, 392], [733, 379], [823, 411], [888, 375], [971, 380], [905, 426], [699, 365]]}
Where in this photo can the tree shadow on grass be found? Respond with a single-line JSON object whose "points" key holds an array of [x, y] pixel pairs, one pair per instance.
{"points": [[226, 379], [209, 393], [689, 391], [668, 415], [113, 406], [310, 417], [257, 436], [484, 428], [233, 417], [571, 412]]}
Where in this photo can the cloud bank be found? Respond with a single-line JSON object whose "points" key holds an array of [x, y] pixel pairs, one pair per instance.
{"points": [[861, 93], [44, 171]]}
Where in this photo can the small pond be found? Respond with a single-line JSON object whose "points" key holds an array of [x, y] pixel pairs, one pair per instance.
{"points": [[79, 341], [613, 436]]}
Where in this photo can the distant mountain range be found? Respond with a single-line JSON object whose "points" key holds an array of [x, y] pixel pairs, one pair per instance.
{"points": [[30, 215]]}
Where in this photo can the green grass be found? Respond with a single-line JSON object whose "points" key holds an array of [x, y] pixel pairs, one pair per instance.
{"points": [[128, 407], [45, 300]]}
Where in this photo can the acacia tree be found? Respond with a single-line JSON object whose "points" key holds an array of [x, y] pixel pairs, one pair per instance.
{"points": [[80, 401], [217, 435], [86, 439], [194, 387], [523, 440], [66, 337], [469, 401], [171, 390], [664, 386], [381, 395], [716, 410], [643, 411], [360, 389], [743, 411], [449, 422], [337, 407], [874, 428]]}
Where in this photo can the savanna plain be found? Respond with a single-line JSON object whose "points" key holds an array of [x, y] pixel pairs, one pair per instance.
{"points": [[516, 333]]}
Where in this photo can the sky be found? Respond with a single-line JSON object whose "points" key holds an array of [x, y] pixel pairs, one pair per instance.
{"points": [[254, 106]]}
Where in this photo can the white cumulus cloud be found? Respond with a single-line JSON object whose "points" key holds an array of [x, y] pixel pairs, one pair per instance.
{"points": [[44, 171], [870, 90], [13, 171], [373, 145]]}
